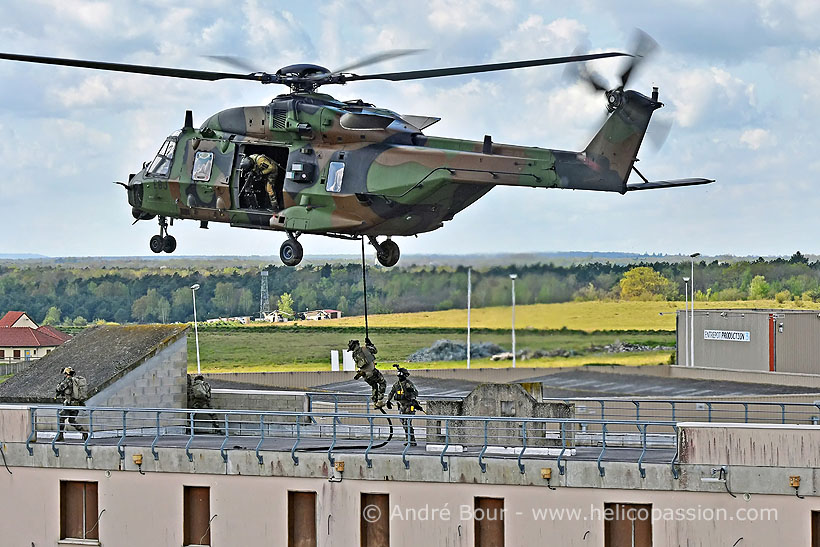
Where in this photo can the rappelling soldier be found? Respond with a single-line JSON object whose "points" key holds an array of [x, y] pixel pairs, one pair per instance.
{"points": [[72, 391], [405, 394], [366, 364]]}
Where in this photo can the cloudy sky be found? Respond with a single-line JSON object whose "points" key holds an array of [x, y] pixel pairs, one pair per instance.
{"points": [[740, 79]]}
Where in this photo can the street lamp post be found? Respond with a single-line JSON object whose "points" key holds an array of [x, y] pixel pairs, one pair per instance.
{"points": [[513, 278], [194, 288], [686, 317], [469, 297], [691, 352]]}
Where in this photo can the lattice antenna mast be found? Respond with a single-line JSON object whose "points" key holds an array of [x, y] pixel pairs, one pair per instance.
{"points": [[264, 299]]}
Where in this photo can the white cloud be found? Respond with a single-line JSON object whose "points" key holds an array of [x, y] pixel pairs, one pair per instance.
{"points": [[755, 138]]}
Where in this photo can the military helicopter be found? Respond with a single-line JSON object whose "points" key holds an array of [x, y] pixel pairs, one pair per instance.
{"points": [[352, 170]]}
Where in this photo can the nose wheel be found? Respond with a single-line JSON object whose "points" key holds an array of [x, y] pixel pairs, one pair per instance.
{"points": [[291, 251], [163, 242], [387, 252]]}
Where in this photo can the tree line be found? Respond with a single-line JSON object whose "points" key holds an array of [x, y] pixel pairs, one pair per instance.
{"points": [[75, 294]]}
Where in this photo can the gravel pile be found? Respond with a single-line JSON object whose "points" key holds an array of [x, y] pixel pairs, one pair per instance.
{"points": [[452, 350]]}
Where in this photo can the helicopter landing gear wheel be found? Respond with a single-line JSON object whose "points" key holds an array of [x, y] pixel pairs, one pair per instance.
{"points": [[387, 252], [389, 255], [163, 241], [169, 244], [291, 252], [157, 244]]}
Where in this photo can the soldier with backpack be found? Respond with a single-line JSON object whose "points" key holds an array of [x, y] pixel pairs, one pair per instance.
{"points": [[200, 398], [73, 391]]}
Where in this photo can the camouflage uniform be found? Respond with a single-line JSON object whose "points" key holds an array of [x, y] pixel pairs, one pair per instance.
{"points": [[405, 393], [261, 171], [200, 398], [67, 391], [366, 364]]}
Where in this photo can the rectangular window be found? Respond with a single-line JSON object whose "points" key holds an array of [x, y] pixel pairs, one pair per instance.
{"points": [[375, 520], [301, 519], [489, 522], [196, 527], [335, 174], [17, 354], [627, 525], [78, 510], [203, 164], [2, 354]]}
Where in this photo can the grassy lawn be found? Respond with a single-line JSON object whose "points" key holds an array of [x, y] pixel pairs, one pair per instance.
{"points": [[257, 350], [4, 378], [626, 359], [586, 316]]}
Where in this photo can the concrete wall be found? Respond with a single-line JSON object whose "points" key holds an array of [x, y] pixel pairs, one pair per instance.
{"points": [[247, 399], [306, 380], [497, 400], [158, 382], [750, 445], [147, 510]]}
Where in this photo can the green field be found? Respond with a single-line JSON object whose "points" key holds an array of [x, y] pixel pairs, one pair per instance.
{"points": [[586, 316], [253, 349], [571, 326]]}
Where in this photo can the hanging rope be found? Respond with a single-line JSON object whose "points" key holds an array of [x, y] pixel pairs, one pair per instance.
{"points": [[364, 284]]}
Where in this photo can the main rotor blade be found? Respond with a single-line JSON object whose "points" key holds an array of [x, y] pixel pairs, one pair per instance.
{"points": [[474, 69], [377, 58], [134, 69], [233, 62]]}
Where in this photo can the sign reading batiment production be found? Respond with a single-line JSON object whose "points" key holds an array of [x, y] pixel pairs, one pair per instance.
{"points": [[728, 335]]}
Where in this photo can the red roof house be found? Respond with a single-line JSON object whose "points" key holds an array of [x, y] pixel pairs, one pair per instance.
{"points": [[21, 339]]}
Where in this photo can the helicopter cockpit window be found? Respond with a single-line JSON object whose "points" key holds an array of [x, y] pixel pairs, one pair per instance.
{"points": [[161, 165], [335, 174], [203, 164]]}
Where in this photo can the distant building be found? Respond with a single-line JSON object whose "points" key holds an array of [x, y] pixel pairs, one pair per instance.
{"points": [[318, 315], [766, 340], [21, 339]]}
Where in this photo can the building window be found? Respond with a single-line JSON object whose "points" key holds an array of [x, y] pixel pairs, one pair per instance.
{"points": [[627, 525], [2, 354], [196, 528], [79, 518], [301, 519], [489, 522], [17, 354], [375, 520]]}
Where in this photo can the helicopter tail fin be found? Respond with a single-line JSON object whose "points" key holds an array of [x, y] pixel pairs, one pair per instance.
{"points": [[614, 149]]}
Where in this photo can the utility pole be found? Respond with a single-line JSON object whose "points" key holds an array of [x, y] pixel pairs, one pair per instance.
{"points": [[469, 297]]}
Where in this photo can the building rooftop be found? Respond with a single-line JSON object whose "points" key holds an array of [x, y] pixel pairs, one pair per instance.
{"points": [[584, 382], [101, 354]]}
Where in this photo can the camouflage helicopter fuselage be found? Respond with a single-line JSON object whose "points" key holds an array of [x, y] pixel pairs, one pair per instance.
{"points": [[352, 170]]}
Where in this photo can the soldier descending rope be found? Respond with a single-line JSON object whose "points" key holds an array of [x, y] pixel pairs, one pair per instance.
{"points": [[366, 364]]}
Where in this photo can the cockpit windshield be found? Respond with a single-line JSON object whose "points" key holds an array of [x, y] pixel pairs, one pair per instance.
{"points": [[161, 165]]}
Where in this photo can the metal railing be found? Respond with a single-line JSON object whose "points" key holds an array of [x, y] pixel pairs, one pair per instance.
{"points": [[685, 410], [479, 437]]}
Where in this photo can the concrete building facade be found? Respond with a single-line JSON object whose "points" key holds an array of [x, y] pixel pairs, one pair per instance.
{"points": [[278, 502]]}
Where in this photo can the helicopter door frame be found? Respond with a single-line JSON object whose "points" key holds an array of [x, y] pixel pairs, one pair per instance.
{"points": [[276, 152]]}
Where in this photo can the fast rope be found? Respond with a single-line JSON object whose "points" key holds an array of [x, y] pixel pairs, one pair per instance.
{"points": [[380, 445], [364, 285]]}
